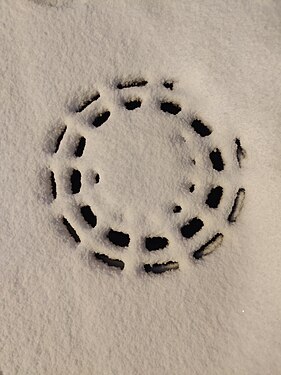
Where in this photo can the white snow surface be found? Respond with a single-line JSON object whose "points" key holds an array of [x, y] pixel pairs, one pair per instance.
{"points": [[63, 312]]}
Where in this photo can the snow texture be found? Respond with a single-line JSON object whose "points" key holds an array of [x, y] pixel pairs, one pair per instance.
{"points": [[140, 199]]}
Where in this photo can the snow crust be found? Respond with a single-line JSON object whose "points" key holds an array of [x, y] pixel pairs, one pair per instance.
{"points": [[60, 312]]}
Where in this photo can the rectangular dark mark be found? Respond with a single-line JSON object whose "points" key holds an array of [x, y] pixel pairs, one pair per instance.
{"points": [[240, 152], [161, 267], [71, 230], [60, 137], [53, 185], [117, 263], [75, 180], [237, 205], [86, 102], [101, 118], [200, 128], [209, 246], [80, 147], [135, 83], [214, 197]]}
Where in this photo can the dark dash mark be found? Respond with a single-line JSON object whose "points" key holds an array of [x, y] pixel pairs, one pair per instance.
{"points": [[237, 206], [192, 188], [132, 104], [80, 147], [209, 246], [177, 209], [216, 159], [118, 238], [87, 102], [168, 85], [53, 185], [71, 230], [117, 263], [240, 152], [134, 83], [60, 137], [89, 216], [170, 107], [192, 227], [101, 118], [200, 128], [214, 197], [75, 180], [155, 243], [161, 267], [97, 178]]}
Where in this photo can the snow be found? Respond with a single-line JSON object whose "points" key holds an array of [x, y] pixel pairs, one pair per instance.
{"points": [[65, 312]]}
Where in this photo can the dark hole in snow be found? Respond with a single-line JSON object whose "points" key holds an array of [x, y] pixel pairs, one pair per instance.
{"points": [[214, 197], [60, 137], [109, 261], [170, 107], [192, 188], [97, 178], [135, 83], [71, 230], [75, 181], [80, 147], [133, 104], [216, 159], [237, 205], [87, 102], [161, 267], [155, 243], [118, 238], [240, 152], [53, 185], [177, 209], [169, 85], [209, 246], [200, 128], [101, 118], [192, 227], [89, 216]]}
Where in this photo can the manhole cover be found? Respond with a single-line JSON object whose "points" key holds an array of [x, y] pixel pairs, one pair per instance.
{"points": [[129, 157]]}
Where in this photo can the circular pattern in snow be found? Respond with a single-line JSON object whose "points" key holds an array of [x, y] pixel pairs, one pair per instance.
{"points": [[135, 173]]}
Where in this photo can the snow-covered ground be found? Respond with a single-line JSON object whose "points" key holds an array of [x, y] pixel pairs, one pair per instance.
{"points": [[96, 175]]}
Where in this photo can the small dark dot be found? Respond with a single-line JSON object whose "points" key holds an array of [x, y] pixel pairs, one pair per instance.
{"points": [[200, 128], [118, 238], [192, 188], [80, 147], [117, 263], [155, 243], [101, 119], [177, 209], [71, 230], [169, 85], [170, 107], [89, 216], [214, 197], [133, 104], [216, 159], [75, 181], [192, 227]]}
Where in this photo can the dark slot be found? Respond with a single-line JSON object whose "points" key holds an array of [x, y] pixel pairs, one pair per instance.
{"points": [[75, 181], [214, 197], [71, 230], [155, 243], [60, 137], [80, 147], [177, 209], [240, 152], [200, 128], [135, 83], [192, 227], [53, 186], [117, 263], [133, 104], [118, 238], [209, 246], [237, 205], [170, 107], [97, 178], [216, 159], [101, 119], [168, 85], [192, 188], [89, 216], [161, 267], [87, 102]]}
